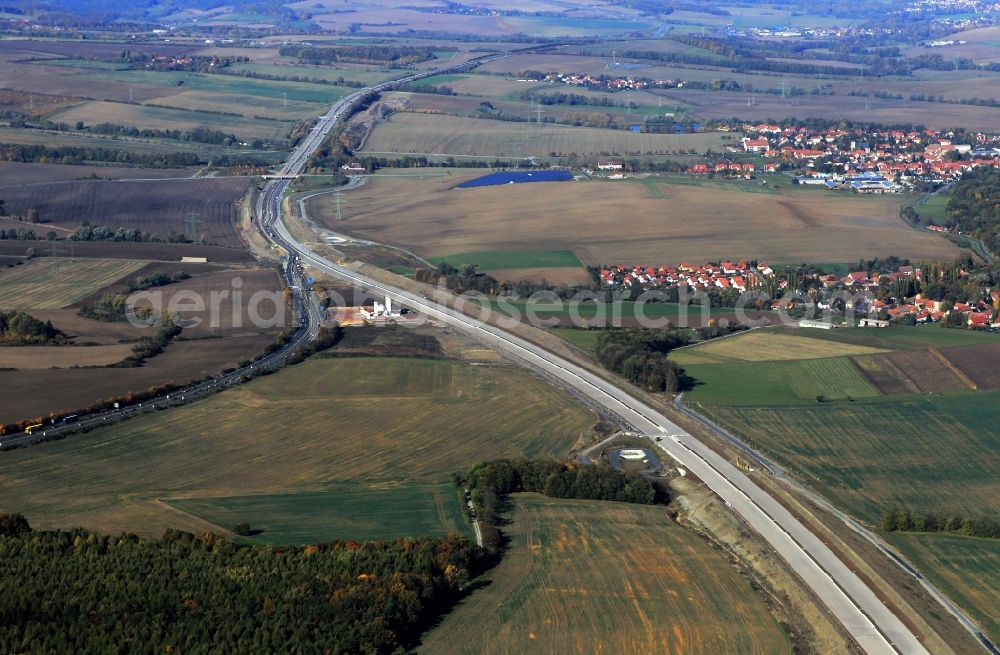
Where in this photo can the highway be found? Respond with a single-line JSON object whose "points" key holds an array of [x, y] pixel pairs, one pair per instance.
{"points": [[305, 313], [873, 626]]}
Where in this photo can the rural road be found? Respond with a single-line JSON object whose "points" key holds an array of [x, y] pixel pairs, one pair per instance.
{"points": [[872, 625]]}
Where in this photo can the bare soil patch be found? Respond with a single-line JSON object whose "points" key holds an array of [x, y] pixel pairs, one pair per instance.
{"points": [[925, 371], [159, 207], [980, 363], [43, 357]]}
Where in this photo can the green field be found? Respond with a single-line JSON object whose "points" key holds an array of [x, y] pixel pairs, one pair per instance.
{"points": [[934, 210], [504, 259], [228, 84], [938, 453], [965, 568], [340, 512], [584, 339], [777, 382], [600, 577], [386, 422]]}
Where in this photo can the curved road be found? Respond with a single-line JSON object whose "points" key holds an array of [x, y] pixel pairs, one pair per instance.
{"points": [[873, 626]]}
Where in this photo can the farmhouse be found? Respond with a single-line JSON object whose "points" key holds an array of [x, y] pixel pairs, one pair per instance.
{"points": [[609, 166], [872, 322]]}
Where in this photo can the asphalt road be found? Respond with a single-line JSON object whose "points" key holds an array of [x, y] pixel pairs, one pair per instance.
{"points": [[873, 626]]}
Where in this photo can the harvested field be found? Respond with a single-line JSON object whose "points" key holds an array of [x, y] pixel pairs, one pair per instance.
{"points": [[401, 20], [449, 135], [593, 577], [38, 392], [935, 115], [761, 345], [397, 422], [43, 357], [507, 259], [981, 364], [54, 283], [15, 173], [212, 296], [980, 46], [936, 453], [158, 207], [435, 219], [146, 117]]}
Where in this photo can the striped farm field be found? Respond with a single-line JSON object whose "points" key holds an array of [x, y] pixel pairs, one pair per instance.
{"points": [[339, 512], [599, 577], [938, 453], [451, 135], [54, 283], [965, 568], [765, 345], [366, 421]]}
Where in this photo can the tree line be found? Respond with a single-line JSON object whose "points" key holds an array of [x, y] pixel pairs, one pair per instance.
{"points": [[640, 356], [189, 593], [488, 483], [387, 55], [27, 154], [899, 520]]}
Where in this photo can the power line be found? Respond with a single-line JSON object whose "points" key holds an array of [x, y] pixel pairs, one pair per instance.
{"points": [[192, 219]]}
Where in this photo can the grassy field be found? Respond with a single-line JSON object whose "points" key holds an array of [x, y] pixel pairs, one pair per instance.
{"points": [[341, 512], [965, 568], [449, 135], [592, 577], [384, 422], [583, 339], [158, 207], [767, 345], [501, 259], [937, 453], [614, 222], [56, 283], [934, 210], [778, 382]]}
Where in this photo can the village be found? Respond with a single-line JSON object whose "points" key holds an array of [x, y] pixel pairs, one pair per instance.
{"points": [[879, 297]]}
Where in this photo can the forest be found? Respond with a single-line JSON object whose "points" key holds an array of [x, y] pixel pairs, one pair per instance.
{"points": [[186, 593], [974, 206], [641, 357]]}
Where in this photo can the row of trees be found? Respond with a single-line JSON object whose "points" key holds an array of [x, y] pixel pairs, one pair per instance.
{"points": [[384, 55], [198, 134], [640, 356], [191, 593], [490, 482], [39, 154], [907, 521]]}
